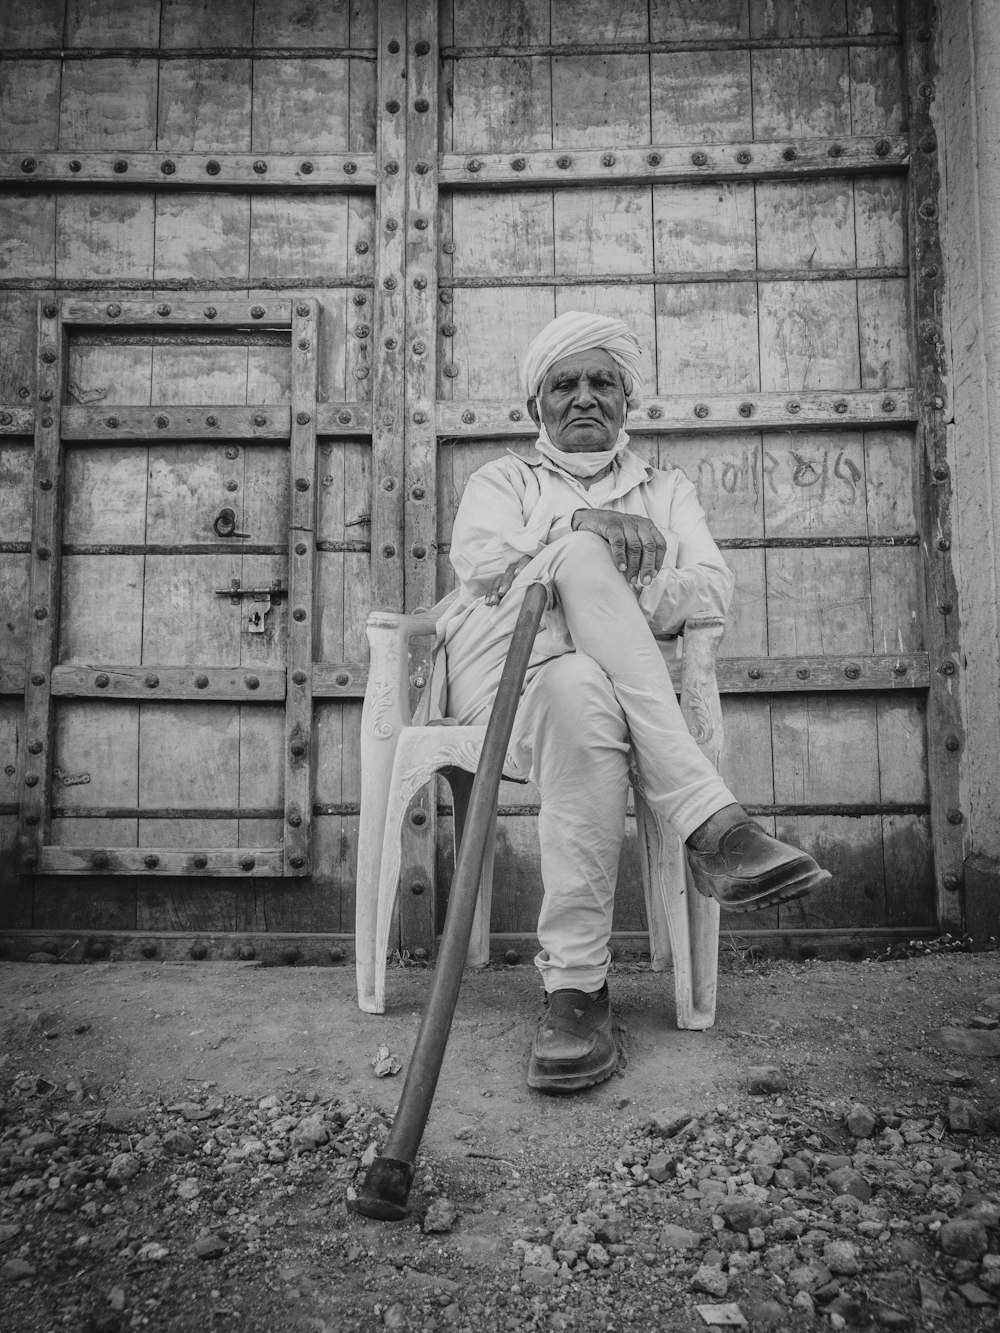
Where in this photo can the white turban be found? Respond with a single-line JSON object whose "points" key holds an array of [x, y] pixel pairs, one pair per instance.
{"points": [[576, 331]]}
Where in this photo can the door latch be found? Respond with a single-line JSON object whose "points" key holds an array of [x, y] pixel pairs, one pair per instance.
{"points": [[225, 524], [260, 600]]}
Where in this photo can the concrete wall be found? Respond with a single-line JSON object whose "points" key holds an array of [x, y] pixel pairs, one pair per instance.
{"points": [[968, 112]]}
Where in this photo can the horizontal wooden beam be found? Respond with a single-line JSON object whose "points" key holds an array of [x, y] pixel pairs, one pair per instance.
{"points": [[259, 313], [784, 159], [783, 810], [767, 675], [151, 683], [634, 48], [162, 53], [17, 420], [291, 282], [676, 277], [208, 862], [326, 172], [176, 422], [471, 419]]}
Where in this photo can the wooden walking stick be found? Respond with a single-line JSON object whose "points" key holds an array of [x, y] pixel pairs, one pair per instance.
{"points": [[387, 1184]]}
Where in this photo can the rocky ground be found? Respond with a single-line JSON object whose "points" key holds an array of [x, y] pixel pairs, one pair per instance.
{"points": [[828, 1159]]}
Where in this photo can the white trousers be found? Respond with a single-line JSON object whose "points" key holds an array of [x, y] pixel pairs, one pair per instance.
{"points": [[596, 687]]}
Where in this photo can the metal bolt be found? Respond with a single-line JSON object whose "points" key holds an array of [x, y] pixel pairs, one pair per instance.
{"points": [[945, 608], [257, 312], [48, 356], [112, 423], [306, 168], [391, 168], [564, 162], [251, 682], [417, 889], [840, 406], [344, 418], [31, 780], [937, 401], [260, 167], [148, 950], [940, 473], [417, 493], [473, 165], [151, 681], [100, 860], [151, 862], [701, 409], [421, 104], [45, 396], [419, 348], [301, 483], [393, 47], [121, 166], [802, 673], [199, 862], [47, 421], [654, 159], [388, 550], [28, 165], [943, 544], [198, 951], [789, 154], [882, 148], [302, 310], [46, 484], [50, 311], [419, 418], [746, 409], [755, 673], [162, 421], [32, 819], [422, 48], [418, 818], [391, 224], [247, 863], [419, 552], [945, 669], [445, 298], [260, 419], [213, 420], [392, 106], [955, 817], [517, 164], [900, 669], [608, 160], [201, 682], [793, 407], [744, 156], [342, 679], [420, 224], [699, 159], [41, 613], [389, 284], [468, 416], [303, 418], [37, 678], [299, 613], [852, 671], [422, 168], [299, 677], [210, 312], [952, 743], [515, 414]]}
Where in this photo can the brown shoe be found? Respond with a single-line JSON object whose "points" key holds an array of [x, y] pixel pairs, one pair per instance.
{"points": [[574, 1047], [750, 870]]}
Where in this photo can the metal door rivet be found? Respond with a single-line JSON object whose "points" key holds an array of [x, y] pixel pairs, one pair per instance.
{"points": [[37, 678], [389, 284], [151, 862], [299, 677], [260, 419], [167, 167], [744, 156], [51, 311], [102, 681], [392, 168], [112, 423], [419, 552], [422, 168], [789, 154], [451, 371], [301, 483], [418, 493], [362, 373], [48, 357], [468, 416], [473, 165], [955, 817], [31, 780], [937, 401], [210, 312], [391, 224], [746, 409], [198, 951], [163, 310], [32, 819], [114, 310], [947, 668], [701, 409], [45, 396], [41, 613], [422, 48], [247, 863], [419, 348], [515, 414], [251, 682], [390, 344], [420, 224], [793, 407], [28, 165], [306, 168], [303, 418], [888, 404], [419, 418], [121, 166], [6, 419], [45, 484], [303, 310], [299, 613], [900, 669], [232, 452], [388, 550], [945, 608], [950, 882], [835, 150], [608, 160], [699, 159], [943, 544], [388, 483], [445, 298], [417, 889], [300, 548], [296, 862], [447, 330], [418, 818], [420, 283], [256, 312], [421, 104], [564, 162], [940, 473], [654, 159], [213, 420], [952, 743], [350, 168], [517, 164], [151, 681], [344, 418], [392, 106], [199, 862], [232, 485], [260, 166], [100, 860], [802, 673], [343, 679], [294, 818], [882, 148], [75, 166], [298, 748], [852, 672], [162, 422], [46, 421]]}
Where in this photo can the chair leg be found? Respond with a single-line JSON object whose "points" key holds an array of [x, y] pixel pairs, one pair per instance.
{"points": [[692, 922], [376, 779], [479, 944]]}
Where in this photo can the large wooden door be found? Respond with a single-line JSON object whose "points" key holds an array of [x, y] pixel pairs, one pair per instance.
{"points": [[751, 184]]}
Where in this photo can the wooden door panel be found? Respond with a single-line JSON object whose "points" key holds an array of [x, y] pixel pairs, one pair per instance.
{"points": [[204, 106], [103, 236], [101, 609], [701, 97], [707, 338], [108, 104]]}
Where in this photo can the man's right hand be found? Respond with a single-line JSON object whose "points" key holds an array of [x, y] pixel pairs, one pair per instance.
{"points": [[637, 544]]}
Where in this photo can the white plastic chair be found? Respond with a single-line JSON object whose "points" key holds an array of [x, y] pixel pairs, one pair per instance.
{"points": [[399, 758]]}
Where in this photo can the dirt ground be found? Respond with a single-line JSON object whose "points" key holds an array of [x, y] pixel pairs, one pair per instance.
{"points": [[180, 1144]]}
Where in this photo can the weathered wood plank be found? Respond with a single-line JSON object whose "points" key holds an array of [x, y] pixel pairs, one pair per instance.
{"points": [[29, 106], [258, 862], [801, 91], [706, 337], [176, 167], [265, 313], [836, 154], [108, 104], [808, 336], [596, 232], [178, 422], [101, 681], [701, 97]]}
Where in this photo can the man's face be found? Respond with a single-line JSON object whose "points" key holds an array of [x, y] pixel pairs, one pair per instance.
{"points": [[581, 403]]}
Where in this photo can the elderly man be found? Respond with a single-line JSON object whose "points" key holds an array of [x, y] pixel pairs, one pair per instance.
{"points": [[626, 554]]}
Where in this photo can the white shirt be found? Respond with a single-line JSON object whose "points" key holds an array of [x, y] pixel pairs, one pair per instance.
{"points": [[514, 506]]}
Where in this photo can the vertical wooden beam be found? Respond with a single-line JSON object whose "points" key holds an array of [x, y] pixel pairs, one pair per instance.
{"points": [[417, 900], [944, 720], [43, 601], [299, 757], [388, 313]]}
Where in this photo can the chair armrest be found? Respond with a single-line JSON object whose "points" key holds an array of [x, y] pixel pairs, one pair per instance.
{"points": [[700, 700], [387, 698]]}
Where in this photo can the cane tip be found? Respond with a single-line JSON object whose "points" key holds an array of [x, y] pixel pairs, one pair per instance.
{"points": [[386, 1189]]}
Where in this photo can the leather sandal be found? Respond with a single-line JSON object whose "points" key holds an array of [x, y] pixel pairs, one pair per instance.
{"points": [[574, 1047], [750, 870]]}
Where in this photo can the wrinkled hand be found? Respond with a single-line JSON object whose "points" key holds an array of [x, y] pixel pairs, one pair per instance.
{"points": [[501, 584], [637, 544]]}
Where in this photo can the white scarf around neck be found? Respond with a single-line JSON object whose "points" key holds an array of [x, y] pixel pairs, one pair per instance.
{"points": [[584, 464]]}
